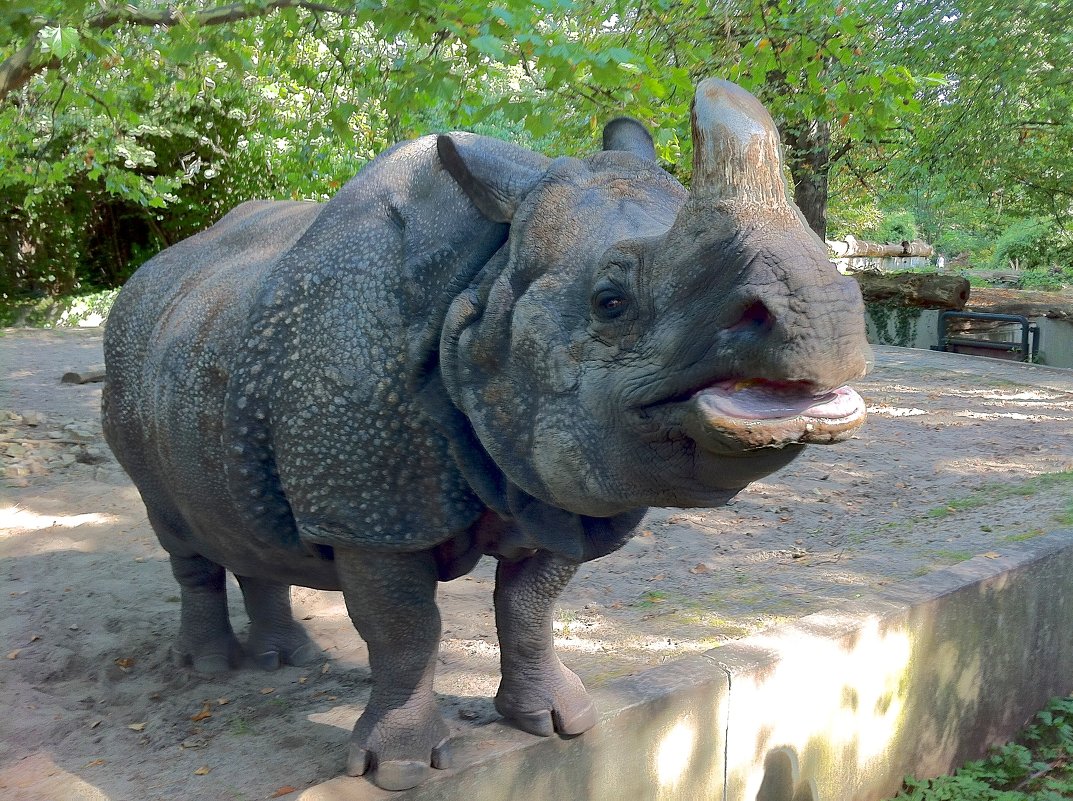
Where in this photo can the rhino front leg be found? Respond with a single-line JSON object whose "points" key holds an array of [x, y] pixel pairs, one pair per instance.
{"points": [[206, 640], [537, 692], [275, 637], [391, 597]]}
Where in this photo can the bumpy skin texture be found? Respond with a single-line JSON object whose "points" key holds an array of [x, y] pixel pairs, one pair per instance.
{"points": [[370, 394]]}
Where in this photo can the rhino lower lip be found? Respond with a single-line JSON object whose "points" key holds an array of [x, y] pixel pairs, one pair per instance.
{"points": [[736, 415], [757, 414]]}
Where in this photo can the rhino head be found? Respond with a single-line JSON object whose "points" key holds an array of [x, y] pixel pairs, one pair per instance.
{"points": [[634, 344]]}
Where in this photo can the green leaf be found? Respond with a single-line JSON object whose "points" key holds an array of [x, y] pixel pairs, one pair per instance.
{"points": [[60, 42], [489, 46]]}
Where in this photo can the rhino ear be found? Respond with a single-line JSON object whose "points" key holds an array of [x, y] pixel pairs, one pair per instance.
{"points": [[495, 175], [626, 133]]}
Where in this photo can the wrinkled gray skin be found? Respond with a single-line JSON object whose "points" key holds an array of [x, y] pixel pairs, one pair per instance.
{"points": [[471, 349]]}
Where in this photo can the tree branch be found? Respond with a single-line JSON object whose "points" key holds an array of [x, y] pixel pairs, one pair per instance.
{"points": [[219, 15], [19, 68]]}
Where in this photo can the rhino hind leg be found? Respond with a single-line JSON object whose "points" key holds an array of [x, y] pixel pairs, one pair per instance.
{"points": [[537, 692], [275, 637], [206, 641], [391, 597]]}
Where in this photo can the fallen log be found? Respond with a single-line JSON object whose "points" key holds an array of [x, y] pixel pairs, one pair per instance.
{"points": [[1056, 305], [89, 375], [924, 290]]}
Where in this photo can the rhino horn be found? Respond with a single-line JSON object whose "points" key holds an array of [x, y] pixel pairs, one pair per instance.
{"points": [[737, 160]]}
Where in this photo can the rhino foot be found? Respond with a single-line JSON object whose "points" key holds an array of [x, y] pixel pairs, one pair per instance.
{"points": [[275, 638], [553, 701], [214, 656], [546, 722], [392, 752], [282, 645]]}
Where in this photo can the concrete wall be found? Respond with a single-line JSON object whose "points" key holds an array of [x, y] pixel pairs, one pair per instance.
{"points": [[837, 706], [909, 327]]}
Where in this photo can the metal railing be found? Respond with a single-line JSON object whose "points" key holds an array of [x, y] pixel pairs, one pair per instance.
{"points": [[1026, 350]]}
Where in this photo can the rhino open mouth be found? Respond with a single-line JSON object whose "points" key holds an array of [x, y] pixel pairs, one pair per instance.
{"points": [[741, 415]]}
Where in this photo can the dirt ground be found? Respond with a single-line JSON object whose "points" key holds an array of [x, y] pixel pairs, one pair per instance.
{"points": [[961, 457]]}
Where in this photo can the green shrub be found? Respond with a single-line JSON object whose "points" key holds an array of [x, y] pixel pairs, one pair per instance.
{"points": [[70, 311], [1036, 768], [857, 215], [1033, 243], [952, 242], [1048, 279], [897, 226]]}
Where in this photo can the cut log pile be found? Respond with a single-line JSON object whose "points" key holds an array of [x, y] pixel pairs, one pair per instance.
{"points": [[853, 248]]}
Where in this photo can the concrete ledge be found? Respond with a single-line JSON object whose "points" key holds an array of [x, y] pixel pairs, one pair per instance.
{"points": [[652, 728], [840, 705], [917, 681]]}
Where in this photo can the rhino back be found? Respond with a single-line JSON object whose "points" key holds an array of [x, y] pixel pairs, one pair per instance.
{"points": [[170, 346]]}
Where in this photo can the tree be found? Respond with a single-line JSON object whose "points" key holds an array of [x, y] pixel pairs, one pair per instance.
{"points": [[1001, 125], [133, 126], [821, 68], [130, 126]]}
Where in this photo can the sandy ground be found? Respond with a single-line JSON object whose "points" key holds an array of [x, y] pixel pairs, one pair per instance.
{"points": [[961, 457]]}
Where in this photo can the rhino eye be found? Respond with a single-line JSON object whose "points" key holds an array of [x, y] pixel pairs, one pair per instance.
{"points": [[609, 303]]}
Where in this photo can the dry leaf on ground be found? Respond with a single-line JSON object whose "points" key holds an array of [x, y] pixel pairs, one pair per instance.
{"points": [[205, 712]]}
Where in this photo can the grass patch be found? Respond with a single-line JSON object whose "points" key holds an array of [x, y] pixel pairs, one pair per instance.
{"points": [[1036, 766], [240, 726], [1028, 535], [987, 495], [953, 557], [650, 599], [997, 492], [732, 629], [1065, 517]]}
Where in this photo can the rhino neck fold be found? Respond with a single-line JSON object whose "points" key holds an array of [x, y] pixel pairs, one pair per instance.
{"points": [[534, 523]]}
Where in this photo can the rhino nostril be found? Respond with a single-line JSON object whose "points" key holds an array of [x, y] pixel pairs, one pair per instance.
{"points": [[754, 317]]}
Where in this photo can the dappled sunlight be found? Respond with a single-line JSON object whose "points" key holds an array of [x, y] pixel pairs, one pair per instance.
{"points": [[1003, 416], [991, 470], [339, 716], [1022, 395], [842, 687], [675, 751], [470, 647], [895, 411], [16, 520], [38, 776]]}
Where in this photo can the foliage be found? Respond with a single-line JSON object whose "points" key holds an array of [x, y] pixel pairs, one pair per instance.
{"points": [[817, 66], [1036, 768], [999, 128], [130, 126], [1033, 243], [85, 310], [897, 226], [1046, 279], [853, 213], [127, 136]]}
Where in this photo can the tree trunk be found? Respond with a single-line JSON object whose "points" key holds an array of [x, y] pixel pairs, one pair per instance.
{"points": [[808, 156]]}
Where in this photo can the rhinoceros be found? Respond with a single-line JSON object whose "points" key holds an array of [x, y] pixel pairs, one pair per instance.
{"points": [[472, 349]]}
